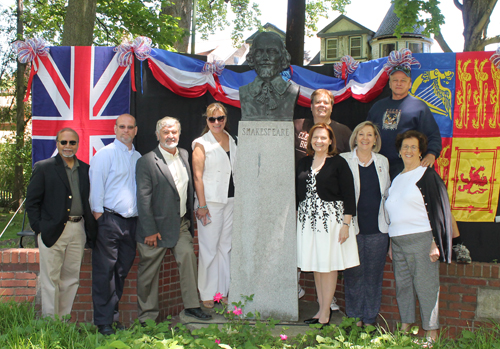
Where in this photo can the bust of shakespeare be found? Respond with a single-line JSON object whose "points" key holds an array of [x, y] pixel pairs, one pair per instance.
{"points": [[268, 97]]}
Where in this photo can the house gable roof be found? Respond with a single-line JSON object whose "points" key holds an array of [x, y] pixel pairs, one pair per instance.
{"points": [[389, 24], [268, 27], [360, 29]]}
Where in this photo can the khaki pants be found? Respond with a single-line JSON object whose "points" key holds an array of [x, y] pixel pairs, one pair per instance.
{"points": [[148, 273], [60, 269]]}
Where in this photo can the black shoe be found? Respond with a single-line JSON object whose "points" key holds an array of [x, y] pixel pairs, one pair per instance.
{"points": [[324, 325], [327, 323], [118, 325], [197, 313], [105, 329], [311, 321]]}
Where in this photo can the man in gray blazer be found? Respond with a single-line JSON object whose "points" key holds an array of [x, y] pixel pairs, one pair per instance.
{"points": [[164, 203]]}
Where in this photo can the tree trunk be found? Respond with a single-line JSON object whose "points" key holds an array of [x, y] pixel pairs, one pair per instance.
{"points": [[20, 90], [79, 22], [181, 9], [295, 30], [476, 17]]}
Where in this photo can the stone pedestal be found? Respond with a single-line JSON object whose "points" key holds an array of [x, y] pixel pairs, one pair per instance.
{"points": [[264, 243]]}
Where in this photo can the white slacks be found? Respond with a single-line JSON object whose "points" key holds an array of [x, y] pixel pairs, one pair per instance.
{"points": [[214, 241], [60, 269]]}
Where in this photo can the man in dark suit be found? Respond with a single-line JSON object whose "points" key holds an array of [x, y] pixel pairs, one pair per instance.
{"points": [[57, 203], [165, 203]]}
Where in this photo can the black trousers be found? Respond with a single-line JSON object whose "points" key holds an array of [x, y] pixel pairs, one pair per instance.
{"points": [[112, 258]]}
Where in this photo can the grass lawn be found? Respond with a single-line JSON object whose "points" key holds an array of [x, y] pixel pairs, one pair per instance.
{"points": [[9, 238]]}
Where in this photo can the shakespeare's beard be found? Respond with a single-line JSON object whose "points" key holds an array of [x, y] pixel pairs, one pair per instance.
{"points": [[267, 70]]}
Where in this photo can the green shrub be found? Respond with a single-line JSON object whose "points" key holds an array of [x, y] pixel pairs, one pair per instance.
{"points": [[20, 328]]}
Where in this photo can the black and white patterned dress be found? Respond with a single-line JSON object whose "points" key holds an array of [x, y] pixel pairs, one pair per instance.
{"points": [[318, 228]]}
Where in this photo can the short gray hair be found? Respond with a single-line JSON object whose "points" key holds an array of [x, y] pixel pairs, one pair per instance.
{"points": [[354, 135], [167, 121]]}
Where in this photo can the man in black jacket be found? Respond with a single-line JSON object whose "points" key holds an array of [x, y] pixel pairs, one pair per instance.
{"points": [[57, 203]]}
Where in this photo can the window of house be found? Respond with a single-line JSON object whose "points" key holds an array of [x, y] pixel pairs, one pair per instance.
{"points": [[386, 49], [331, 48], [415, 47], [355, 46]]}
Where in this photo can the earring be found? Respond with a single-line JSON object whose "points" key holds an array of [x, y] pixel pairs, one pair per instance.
{"points": [[420, 157], [399, 155]]}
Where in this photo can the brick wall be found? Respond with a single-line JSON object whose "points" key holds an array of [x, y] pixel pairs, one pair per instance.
{"points": [[458, 299], [19, 274]]}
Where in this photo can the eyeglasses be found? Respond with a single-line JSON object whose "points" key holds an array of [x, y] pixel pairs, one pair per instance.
{"points": [[219, 119], [66, 142], [407, 147], [122, 127]]}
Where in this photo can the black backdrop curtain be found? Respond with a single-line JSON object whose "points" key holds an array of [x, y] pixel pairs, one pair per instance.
{"points": [[152, 101]]}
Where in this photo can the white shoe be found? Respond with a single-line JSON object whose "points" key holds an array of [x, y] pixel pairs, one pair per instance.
{"points": [[302, 293], [334, 305]]}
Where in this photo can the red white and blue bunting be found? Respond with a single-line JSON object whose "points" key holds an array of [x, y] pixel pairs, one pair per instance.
{"points": [[187, 77]]}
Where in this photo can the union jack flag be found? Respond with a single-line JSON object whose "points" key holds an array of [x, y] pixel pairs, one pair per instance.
{"points": [[81, 87]]}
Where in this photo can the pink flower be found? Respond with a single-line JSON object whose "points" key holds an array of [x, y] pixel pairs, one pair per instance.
{"points": [[237, 311], [217, 341], [217, 297], [283, 337]]}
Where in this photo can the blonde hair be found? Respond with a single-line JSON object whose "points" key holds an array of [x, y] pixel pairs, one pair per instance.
{"points": [[211, 109], [354, 135]]}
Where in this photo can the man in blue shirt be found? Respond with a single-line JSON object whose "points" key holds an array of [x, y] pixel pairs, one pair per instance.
{"points": [[402, 112], [114, 206]]}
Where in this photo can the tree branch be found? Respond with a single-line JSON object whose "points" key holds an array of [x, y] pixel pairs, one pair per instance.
{"points": [[442, 42], [492, 40], [458, 5], [485, 18]]}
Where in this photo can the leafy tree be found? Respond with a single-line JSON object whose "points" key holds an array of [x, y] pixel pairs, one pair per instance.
{"points": [[240, 15], [114, 20], [476, 16]]}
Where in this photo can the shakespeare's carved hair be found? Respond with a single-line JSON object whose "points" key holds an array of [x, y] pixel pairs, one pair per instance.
{"points": [[285, 56]]}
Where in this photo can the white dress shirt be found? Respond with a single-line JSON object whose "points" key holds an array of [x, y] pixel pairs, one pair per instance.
{"points": [[112, 179]]}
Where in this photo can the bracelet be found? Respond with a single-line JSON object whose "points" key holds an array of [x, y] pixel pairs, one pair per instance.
{"points": [[202, 206], [346, 224]]}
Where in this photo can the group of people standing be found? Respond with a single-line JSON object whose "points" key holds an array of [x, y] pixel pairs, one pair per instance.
{"points": [[349, 214], [123, 202]]}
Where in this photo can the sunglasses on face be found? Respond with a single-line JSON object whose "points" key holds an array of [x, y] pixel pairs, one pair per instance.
{"points": [[66, 142], [219, 119]]}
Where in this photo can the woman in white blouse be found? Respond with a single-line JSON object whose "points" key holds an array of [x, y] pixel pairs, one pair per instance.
{"points": [[214, 156], [420, 231]]}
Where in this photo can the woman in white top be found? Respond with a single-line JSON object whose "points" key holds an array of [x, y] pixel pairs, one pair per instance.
{"points": [[370, 170], [214, 156], [420, 231]]}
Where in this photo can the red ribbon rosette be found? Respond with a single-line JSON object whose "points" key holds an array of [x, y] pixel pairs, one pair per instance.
{"points": [[345, 67], [401, 58], [140, 47], [27, 52], [495, 59]]}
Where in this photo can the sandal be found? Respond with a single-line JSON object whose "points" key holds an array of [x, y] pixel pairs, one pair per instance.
{"points": [[208, 304]]}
